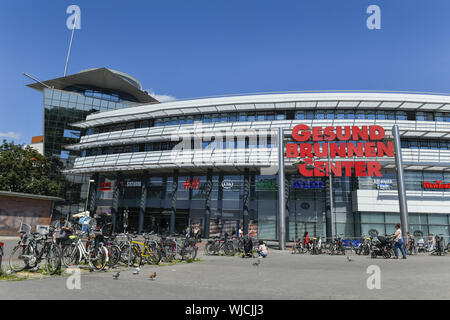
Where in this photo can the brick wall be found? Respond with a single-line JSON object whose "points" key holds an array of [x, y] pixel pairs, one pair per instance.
{"points": [[14, 210]]}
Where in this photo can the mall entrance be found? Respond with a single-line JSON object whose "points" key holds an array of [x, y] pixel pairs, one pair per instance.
{"points": [[158, 220]]}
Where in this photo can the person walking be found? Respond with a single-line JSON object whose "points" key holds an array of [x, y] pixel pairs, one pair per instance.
{"points": [[398, 242]]}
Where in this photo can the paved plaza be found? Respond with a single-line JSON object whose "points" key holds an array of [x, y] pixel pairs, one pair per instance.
{"points": [[281, 275]]}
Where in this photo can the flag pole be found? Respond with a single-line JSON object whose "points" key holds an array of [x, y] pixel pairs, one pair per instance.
{"points": [[70, 45]]}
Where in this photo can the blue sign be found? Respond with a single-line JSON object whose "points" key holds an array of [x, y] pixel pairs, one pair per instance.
{"points": [[307, 185]]}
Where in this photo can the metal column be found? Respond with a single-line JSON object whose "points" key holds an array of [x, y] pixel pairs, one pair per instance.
{"points": [[246, 200], [115, 203], [173, 202], [93, 193], [208, 203], [281, 199], [330, 214], [400, 183], [143, 202]]}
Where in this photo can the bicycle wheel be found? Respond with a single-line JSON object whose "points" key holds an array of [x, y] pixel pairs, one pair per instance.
{"points": [[97, 257], [228, 249], [135, 259], [113, 255], [153, 254], [189, 252], [19, 258], [53, 259], [210, 248], [168, 254], [124, 252], [70, 256]]}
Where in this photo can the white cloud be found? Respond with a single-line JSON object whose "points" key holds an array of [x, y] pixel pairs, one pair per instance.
{"points": [[10, 134], [160, 97]]}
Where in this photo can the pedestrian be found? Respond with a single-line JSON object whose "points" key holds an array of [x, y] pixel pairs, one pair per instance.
{"points": [[241, 232], [431, 242], [64, 228], [398, 242], [306, 240], [262, 249]]}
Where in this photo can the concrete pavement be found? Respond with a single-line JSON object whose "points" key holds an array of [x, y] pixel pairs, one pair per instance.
{"points": [[279, 276]]}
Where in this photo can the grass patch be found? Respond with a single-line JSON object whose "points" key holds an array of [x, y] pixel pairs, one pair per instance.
{"points": [[11, 277], [43, 271]]}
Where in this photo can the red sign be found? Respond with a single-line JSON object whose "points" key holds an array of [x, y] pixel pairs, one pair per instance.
{"points": [[105, 186], [437, 185], [363, 147], [191, 185]]}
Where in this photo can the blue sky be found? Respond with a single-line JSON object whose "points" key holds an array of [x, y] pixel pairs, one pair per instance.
{"points": [[201, 48]]}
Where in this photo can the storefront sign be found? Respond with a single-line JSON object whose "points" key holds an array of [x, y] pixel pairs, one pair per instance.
{"points": [[267, 185], [191, 184], [105, 186], [307, 185], [436, 185], [227, 184], [367, 144], [130, 183], [383, 184]]}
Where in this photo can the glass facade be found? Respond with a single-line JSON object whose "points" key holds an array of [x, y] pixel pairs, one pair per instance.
{"points": [[340, 114], [307, 204], [61, 109], [226, 197]]}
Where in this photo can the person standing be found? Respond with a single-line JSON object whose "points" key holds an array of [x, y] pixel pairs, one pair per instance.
{"points": [[398, 241]]}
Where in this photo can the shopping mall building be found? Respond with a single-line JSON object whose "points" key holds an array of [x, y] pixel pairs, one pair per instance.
{"points": [[214, 162]]}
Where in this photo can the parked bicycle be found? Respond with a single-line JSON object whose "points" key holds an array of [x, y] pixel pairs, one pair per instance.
{"points": [[363, 247], [92, 253], [33, 248], [217, 245]]}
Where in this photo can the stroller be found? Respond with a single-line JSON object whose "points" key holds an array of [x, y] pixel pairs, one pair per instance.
{"points": [[382, 248], [439, 246], [248, 247]]}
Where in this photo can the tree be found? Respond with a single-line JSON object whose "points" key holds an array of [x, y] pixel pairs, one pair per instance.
{"points": [[23, 169]]}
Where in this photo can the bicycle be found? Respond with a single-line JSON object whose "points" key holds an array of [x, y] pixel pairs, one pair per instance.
{"points": [[28, 254], [150, 250], [130, 252], [337, 247], [214, 246], [93, 253], [113, 251], [363, 247], [411, 248]]}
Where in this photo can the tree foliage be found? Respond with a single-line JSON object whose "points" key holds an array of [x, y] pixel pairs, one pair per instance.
{"points": [[23, 169]]}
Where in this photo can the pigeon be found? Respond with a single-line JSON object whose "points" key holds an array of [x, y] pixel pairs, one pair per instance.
{"points": [[136, 271], [349, 259], [152, 276], [256, 263], [116, 275]]}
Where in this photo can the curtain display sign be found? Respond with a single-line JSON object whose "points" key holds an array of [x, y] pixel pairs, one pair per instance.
{"points": [[330, 142]]}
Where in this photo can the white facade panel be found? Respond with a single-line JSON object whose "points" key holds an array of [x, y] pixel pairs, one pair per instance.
{"points": [[387, 201]]}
